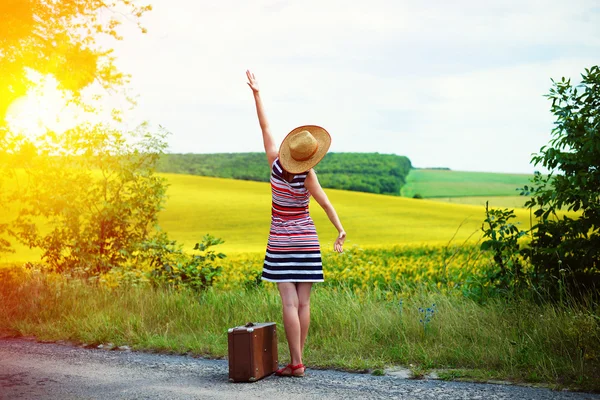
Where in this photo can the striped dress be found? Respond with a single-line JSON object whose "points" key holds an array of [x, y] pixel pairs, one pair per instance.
{"points": [[293, 251]]}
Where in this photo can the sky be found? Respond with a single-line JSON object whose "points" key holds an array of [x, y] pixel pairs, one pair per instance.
{"points": [[456, 84]]}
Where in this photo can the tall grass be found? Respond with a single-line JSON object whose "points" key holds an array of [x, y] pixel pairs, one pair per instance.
{"points": [[519, 340]]}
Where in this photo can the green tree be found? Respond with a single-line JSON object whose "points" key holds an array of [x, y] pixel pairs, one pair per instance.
{"points": [[59, 38], [89, 197], [567, 250], [96, 195], [366, 172]]}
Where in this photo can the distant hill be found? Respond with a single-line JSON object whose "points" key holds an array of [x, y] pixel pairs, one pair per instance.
{"points": [[360, 172]]}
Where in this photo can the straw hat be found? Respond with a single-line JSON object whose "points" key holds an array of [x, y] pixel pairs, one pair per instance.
{"points": [[303, 148]]}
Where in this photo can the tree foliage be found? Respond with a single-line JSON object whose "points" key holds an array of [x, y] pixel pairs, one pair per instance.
{"points": [[564, 252], [97, 195], [565, 248], [59, 38], [363, 172], [89, 197]]}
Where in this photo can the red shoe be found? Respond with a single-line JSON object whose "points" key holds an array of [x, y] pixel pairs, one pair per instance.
{"points": [[292, 369]]}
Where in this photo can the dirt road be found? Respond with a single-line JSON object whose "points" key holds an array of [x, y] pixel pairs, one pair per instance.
{"points": [[31, 370]]}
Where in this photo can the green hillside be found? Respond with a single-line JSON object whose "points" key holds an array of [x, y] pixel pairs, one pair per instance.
{"points": [[433, 183], [239, 212], [360, 172]]}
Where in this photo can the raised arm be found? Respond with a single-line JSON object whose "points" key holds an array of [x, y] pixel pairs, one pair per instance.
{"points": [[314, 187], [270, 146]]}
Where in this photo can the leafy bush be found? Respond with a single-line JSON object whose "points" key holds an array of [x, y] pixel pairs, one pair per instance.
{"points": [[503, 241], [564, 252], [567, 250], [171, 266], [96, 193]]}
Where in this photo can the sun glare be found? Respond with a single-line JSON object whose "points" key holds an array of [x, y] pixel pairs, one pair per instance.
{"points": [[43, 108]]}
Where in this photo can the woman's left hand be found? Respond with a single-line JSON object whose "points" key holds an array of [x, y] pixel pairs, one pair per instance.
{"points": [[339, 242]]}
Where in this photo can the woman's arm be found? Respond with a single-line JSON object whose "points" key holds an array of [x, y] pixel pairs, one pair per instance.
{"points": [[270, 147], [316, 191]]}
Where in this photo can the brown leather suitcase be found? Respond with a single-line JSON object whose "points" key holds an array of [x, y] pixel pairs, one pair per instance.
{"points": [[252, 351]]}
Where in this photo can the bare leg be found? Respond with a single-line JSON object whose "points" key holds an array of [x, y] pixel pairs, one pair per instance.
{"points": [[291, 321], [303, 289]]}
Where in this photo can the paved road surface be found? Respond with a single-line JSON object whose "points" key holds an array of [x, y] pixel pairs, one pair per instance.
{"points": [[31, 370]]}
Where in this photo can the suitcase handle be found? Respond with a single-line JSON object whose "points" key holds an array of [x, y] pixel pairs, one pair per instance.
{"points": [[249, 325]]}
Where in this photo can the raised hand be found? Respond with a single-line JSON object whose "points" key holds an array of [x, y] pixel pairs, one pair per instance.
{"points": [[339, 242], [270, 146], [252, 82]]}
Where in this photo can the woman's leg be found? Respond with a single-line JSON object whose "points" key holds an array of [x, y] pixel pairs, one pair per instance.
{"points": [[291, 321], [303, 289]]}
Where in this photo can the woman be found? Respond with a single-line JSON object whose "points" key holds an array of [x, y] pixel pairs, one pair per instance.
{"points": [[293, 257]]}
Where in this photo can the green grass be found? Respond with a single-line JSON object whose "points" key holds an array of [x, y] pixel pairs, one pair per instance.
{"points": [[515, 340], [445, 183]]}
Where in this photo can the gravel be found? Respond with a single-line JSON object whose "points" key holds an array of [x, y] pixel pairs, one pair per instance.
{"points": [[33, 370]]}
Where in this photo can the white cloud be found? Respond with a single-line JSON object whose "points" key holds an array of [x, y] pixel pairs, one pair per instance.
{"points": [[456, 84]]}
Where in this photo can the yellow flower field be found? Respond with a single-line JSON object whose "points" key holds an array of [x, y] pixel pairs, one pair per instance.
{"points": [[239, 213], [390, 270]]}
